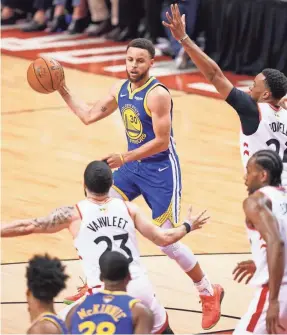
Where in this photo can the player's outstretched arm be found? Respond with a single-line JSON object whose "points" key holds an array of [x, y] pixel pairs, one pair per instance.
{"points": [[57, 220], [142, 318], [257, 211], [164, 237], [211, 71], [44, 327], [101, 109]]}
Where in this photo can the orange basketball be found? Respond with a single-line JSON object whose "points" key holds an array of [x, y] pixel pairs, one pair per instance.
{"points": [[45, 74]]}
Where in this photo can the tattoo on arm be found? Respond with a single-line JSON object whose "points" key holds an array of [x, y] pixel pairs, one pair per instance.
{"points": [[58, 217], [104, 109]]}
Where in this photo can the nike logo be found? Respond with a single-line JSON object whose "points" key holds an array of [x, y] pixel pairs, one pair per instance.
{"points": [[123, 95], [159, 170]]}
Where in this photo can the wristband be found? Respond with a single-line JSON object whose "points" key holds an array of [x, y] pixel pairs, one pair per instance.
{"points": [[187, 227], [122, 159], [183, 38]]}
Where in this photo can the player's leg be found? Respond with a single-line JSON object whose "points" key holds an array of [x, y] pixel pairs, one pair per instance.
{"points": [[141, 288], [254, 321], [124, 186], [161, 188]]}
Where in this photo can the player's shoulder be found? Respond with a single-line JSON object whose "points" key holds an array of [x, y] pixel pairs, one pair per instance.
{"points": [[159, 90], [257, 199], [132, 208], [44, 327]]}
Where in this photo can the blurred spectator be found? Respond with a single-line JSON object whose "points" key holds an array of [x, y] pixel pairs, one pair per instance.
{"points": [[101, 18], [80, 18], [39, 20], [13, 10]]}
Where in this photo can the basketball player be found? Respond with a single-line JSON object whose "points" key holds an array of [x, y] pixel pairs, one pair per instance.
{"points": [[115, 312], [45, 280], [150, 167], [266, 220], [263, 120], [101, 223]]}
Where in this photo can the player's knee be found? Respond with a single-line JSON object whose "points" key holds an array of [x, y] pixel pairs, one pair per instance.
{"points": [[114, 194], [181, 254]]}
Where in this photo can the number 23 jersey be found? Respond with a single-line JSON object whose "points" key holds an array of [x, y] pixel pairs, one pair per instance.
{"points": [[106, 226], [271, 134]]}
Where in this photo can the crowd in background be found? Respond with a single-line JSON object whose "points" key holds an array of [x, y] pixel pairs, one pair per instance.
{"points": [[117, 20]]}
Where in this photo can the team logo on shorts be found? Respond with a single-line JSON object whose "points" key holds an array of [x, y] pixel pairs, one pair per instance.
{"points": [[133, 124]]}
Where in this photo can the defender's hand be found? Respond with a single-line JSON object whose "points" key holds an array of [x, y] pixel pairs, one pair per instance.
{"points": [[244, 269], [283, 102], [196, 221], [272, 318], [176, 23]]}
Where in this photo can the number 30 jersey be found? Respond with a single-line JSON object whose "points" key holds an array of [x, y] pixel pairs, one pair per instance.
{"points": [[106, 226], [271, 134]]}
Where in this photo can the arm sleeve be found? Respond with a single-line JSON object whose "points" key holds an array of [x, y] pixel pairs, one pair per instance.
{"points": [[247, 110]]}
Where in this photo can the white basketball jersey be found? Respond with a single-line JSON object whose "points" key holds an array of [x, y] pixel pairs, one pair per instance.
{"points": [[271, 134], [106, 226], [278, 198]]}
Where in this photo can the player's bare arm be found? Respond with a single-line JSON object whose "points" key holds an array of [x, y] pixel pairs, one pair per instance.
{"points": [[68, 320], [44, 327], [142, 318], [211, 71], [98, 111], [159, 104], [164, 237], [58, 219], [258, 213]]}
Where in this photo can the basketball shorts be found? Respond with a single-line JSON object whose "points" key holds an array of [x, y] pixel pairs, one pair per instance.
{"points": [[139, 288], [159, 182], [254, 321]]}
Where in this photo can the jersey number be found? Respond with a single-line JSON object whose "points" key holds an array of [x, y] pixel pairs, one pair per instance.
{"points": [[89, 327], [276, 144], [123, 238]]}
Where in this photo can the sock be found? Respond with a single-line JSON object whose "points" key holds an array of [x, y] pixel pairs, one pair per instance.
{"points": [[204, 286]]}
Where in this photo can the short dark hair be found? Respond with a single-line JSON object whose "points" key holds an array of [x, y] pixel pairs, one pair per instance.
{"points": [[98, 177], [114, 266], [143, 43], [45, 277], [270, 161], [276, 81]]}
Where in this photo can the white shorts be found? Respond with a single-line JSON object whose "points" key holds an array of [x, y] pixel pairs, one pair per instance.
{"points": [[254, 321], [140, 288]]}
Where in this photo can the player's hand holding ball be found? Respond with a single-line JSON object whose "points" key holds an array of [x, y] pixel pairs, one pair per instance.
{"points": [[45, 75]]}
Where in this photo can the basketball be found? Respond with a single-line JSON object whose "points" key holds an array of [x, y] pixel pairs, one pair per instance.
{"points": [[45, 74]]}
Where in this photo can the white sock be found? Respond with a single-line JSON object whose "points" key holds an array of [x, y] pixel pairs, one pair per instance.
{"points": [[204, 286]]}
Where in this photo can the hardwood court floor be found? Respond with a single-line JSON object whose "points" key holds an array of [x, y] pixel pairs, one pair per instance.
{"points": [[45, 149]]}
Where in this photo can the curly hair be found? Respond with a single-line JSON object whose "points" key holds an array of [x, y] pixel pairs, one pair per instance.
{"points": [[276, 81], [45, 277]]}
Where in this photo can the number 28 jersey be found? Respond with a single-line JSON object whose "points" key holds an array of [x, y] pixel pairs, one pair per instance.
{"points": [[271, 134], [106, 226]]}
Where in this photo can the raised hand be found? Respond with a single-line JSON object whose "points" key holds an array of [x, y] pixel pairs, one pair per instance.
{"points": [[196, 221], [176, 23]]}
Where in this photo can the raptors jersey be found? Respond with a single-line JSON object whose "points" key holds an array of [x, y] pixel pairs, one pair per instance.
{"points": [[271, 134], [278, 198], [106, 226]]}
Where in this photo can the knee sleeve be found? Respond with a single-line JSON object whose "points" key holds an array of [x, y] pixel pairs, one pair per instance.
{"points": [[181, 254]]}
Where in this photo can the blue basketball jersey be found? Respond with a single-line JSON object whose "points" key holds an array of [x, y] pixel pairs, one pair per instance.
{"points": [[137, 117], [56, 320], [104, 313]]}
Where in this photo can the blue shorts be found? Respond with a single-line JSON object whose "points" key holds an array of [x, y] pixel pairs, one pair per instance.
{"points": [[159, 182]]}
